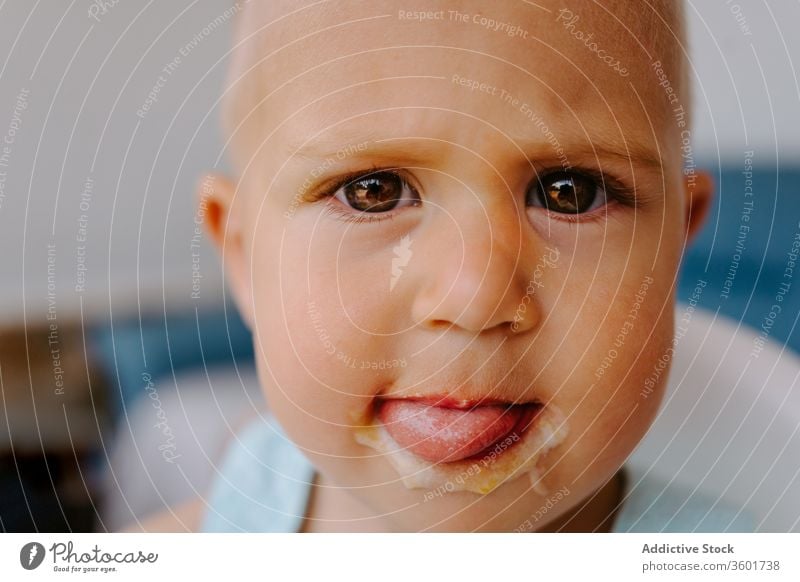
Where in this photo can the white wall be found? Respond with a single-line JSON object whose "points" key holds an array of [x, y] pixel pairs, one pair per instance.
{"points": [[747, 93], [87, 79]]}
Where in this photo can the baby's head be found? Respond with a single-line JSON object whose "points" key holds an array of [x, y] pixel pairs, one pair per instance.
{"points": [[455, 233]]}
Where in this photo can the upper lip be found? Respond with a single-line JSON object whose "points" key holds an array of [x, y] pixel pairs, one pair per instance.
{"points": [[466, 390], [448, 400]]}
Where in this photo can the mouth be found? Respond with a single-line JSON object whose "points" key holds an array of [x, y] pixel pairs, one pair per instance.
{"points": [[446, 445], [441, 430]]}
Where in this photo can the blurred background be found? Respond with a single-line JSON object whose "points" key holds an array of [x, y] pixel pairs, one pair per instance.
{"points": [[123, 364]]}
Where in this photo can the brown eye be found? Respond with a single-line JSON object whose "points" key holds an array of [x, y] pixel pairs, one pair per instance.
{"points": [[379, 192], [567, 192]]}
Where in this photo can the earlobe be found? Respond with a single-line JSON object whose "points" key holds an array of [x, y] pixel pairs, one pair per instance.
{"points": [[699, 188], [219, 208]]}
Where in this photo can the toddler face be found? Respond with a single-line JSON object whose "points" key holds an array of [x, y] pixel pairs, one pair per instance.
{"points": [[456, 235]]}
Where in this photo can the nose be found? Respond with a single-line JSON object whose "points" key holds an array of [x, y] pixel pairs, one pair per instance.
{"points": [[478, 277]]}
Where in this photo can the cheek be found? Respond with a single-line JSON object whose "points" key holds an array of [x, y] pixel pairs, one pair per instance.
{"points": [[348, 269], [609, 316], [607, 369], [318, 364]]}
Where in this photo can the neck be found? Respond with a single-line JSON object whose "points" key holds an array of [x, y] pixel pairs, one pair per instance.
{"points": [[596, 513], [332, 509]]}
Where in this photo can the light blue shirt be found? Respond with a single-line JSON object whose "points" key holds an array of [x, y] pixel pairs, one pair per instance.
{"points": [[264, 483]]}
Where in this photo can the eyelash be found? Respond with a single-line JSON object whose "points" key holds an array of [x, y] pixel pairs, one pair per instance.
{"points": [[332, 208], [615, 190]]}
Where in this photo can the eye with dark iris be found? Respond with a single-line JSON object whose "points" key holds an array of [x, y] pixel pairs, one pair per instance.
{"points": [[376, 192], [567, 193]]}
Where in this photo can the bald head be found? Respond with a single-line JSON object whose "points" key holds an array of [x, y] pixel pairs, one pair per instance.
{"points": [[280, 46]]}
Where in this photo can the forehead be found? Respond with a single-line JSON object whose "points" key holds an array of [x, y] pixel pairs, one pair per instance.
{"points": [[567, 74]]}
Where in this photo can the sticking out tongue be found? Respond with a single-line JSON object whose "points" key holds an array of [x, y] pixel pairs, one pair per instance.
{"points": [[440, 434]]}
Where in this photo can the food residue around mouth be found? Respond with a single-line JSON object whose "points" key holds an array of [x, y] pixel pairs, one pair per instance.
{"points": [[446, 449]]}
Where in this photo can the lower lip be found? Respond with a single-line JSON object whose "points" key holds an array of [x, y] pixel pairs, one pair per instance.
{"points": [[447, 432]]}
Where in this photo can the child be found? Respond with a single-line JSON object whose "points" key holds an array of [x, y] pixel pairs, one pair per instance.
{"points": [[455, 233]]}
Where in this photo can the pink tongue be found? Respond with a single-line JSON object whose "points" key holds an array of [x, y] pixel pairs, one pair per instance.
{"points": [[442, 435]]}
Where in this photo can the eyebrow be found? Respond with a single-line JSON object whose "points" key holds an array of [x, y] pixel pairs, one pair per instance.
{"points": [[424, 149]]}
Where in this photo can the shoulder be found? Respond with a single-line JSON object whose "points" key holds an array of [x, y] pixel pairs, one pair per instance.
{"points": [[654, 504]]}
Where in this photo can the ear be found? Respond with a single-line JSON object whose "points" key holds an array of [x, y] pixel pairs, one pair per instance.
{"points": [[699, 188], [216, 197]]}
